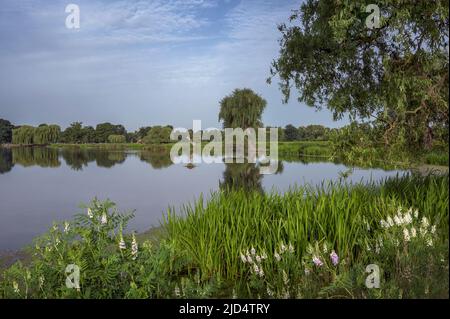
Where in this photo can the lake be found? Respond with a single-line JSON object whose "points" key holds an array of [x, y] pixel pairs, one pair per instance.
{"points": [[41, 185]]}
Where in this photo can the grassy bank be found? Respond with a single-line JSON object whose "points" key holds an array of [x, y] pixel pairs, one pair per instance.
{"points": [[307, 243]]}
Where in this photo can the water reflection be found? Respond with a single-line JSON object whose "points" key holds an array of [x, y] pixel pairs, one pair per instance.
{"points": [[76, 159], [244, 176], [157, 159], [6, 161], [39, 156]]}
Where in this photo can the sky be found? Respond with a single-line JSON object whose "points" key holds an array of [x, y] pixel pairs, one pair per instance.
{"points": [[141, 63]]}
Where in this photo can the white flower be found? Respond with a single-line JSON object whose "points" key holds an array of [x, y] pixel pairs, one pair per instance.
{"points": [[258, 259], [413, 232], [253, 251], [41, 281], [325, 248], [307, 271], [384, 224], [406, 235], [122, 244], [390, 221], [177, 291], [429, 242], [397, 220], [89, 213], [256, 268], [264, 256], [380, 241], [277, 256], [291, 248], [261, 272], [16, 287], [433, 229], [425, 222], [407, 218], [104, 219], [269, 292], [423, 231], [283, 248], [249, 259], [243, 258], [66, 227], [416, 213], [285, 278], [134, 248]]}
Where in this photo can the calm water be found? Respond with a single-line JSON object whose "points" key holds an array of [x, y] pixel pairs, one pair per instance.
{"points": [[42, 185]]}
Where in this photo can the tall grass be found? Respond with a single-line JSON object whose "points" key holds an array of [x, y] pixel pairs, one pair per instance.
{"points": [[213, 234]]}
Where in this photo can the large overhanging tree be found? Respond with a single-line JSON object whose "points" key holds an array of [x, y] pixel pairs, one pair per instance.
{"points": [[394, 75]]}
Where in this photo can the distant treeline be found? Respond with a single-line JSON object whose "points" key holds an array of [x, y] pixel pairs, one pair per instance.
{"points": [[76, 133]]}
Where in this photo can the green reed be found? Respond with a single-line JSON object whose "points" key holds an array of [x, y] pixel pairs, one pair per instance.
{"points": [[214, 233]]}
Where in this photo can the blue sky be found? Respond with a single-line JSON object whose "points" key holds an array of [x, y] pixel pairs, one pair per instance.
{"points": [[141, 63]]}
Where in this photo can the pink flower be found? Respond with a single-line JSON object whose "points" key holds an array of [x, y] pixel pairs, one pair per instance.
{"points": [[317, 261], [334, 258]]}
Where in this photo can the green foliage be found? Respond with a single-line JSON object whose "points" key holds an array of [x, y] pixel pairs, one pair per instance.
{"points": [[302, 148], [23, 135], [290, 133], [142, 132], [112, 264], [396, 76], [117, 139], [314, 133], [77, 134], [46, 134], [104, 130], [41, 135], [158, 135], [243, 109], [5, 131], [357, 144], [437, 158], [73, 134]]}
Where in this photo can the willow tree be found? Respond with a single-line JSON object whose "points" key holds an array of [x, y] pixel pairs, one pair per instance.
{"points": [[243, 109], [23, 135], [393, 75], [46, 134]]}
